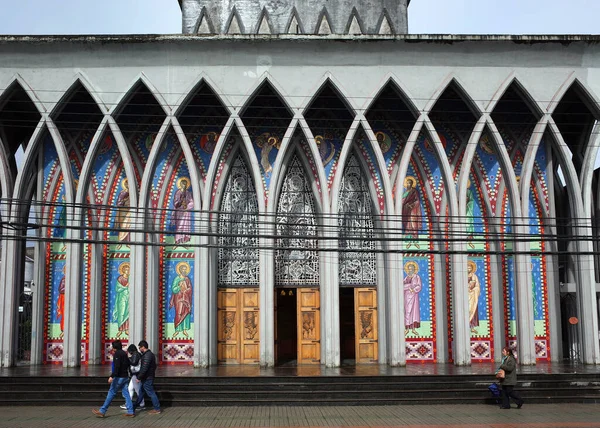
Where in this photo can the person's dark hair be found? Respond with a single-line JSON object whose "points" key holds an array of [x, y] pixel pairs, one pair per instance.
{"points": [[509, 351], [143, 344], [117, 344], [131, 349]]}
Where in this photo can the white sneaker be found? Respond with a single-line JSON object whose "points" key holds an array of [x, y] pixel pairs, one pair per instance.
{"points": [[123, 406], [141, 407]]}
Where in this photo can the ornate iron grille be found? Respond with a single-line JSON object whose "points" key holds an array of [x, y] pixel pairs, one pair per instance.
{"points": [[355, 221], [238, 230], [296, 259]]}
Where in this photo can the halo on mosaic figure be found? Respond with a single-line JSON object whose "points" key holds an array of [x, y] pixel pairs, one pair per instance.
{"points": [[122, 267], [181, 180], [179, 265], [472, 265], [414, 265], [274, 141], [384, 141], [410, 179], [486, 145], [125, 184]]}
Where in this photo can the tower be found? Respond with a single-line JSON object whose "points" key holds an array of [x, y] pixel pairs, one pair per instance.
{"points": [[320, 17]]}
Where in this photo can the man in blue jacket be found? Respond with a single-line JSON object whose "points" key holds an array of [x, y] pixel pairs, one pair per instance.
{"points": [[146, 376], [118, 380]]}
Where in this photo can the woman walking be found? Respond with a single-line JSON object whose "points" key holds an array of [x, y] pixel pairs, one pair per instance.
{"points": [[509, 365]]}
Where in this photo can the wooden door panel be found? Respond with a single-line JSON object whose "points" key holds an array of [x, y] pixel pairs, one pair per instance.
{"points": [[309, 326], [250, 333], [237, 326], [365, 310]]}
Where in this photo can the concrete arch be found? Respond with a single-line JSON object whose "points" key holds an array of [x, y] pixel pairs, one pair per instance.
{"points": [[123, 100], [403, 92], [452, 80], [329, 78], [92, 90], [190, 92], [513, 79]]}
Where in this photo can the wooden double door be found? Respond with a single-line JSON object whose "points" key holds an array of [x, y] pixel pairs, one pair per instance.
{"points": [[297, 325], [238, 332]]}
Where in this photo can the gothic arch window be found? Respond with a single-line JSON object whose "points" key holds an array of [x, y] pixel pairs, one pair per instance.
{"points": [[296, 259], [238, 230], [357, 265]]}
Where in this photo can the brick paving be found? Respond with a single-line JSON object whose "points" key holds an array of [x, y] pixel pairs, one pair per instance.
{"points": [[566, 415]]}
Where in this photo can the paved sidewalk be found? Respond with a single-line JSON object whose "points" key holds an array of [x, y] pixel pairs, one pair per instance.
{"points": [[458, 415]]}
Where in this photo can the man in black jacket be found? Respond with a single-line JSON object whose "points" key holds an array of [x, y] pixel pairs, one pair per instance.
{"points": [[146, 376], [118, 380]]}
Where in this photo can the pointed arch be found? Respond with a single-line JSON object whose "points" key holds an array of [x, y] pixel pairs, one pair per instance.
{"points": [[264, 24], [16, 130], [452, 81], [355, 24], [297, 221], [324, 23], [204, 24], [201, 81], [138, 82], [356, 214], [513, 81], [329, 80], [294, 21], [385, 24], [234, 24], [238, 225]]}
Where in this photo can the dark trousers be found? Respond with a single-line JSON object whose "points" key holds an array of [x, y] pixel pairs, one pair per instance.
{"points": [[507, 392], [148, 388]]}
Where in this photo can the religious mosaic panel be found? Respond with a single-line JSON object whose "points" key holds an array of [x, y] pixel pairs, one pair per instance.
{"points": [[419, 275], [54, 215], [176, 216], [537, 203]]}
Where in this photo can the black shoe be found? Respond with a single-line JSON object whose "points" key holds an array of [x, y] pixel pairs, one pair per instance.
{"points": [[520, 405], [506, 408]]}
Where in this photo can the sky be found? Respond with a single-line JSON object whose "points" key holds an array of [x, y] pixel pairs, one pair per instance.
{"points": [[425, 17]]}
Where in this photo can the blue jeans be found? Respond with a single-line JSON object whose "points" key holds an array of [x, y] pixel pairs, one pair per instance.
{"points": [[118, 384], [148, 388]]}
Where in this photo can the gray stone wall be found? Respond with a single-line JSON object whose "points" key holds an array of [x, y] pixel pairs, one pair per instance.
{"points": [[295, 17]]}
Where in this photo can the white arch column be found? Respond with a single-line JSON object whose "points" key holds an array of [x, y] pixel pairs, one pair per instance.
{"points": [[330, 294], [9, 293], [461, 343], [395, 300], [524, 294], [267, 290], [72, 332], [586, 290], [202, 297], [137, 262]]}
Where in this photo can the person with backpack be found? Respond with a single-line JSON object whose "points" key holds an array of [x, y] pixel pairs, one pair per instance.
{"points": [[135, 363]]}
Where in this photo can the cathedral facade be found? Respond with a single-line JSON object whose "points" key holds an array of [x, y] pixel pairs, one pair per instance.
{"points": [[301, 184]]}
